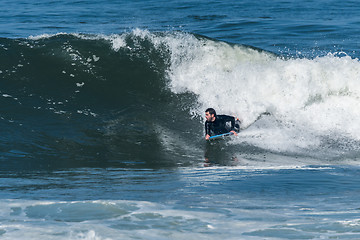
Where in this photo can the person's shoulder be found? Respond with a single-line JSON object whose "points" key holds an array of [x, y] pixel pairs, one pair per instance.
{"points": [[224, 116]]}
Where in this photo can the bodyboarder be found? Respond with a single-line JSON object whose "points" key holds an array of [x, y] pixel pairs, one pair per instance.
{"points": [[219, 124]]}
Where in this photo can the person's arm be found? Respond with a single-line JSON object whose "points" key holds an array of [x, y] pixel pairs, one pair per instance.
{"points": [[207, 131], [232, 124], [233, 131]]}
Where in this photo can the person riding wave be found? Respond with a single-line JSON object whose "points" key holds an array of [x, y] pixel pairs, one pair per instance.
{"points": [[219, 124]]}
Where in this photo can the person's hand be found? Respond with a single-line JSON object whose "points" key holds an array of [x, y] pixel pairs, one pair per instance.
{"points": [[207, 137], [235, 133]]}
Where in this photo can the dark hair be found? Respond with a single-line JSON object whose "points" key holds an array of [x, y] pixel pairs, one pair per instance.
{"points": [[211, 111]]}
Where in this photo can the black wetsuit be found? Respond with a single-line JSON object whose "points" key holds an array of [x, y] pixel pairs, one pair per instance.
{"points": [[222, 124]]}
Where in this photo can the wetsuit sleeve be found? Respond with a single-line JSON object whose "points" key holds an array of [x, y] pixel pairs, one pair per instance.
{"points": [[232, 123], [207, 129]]}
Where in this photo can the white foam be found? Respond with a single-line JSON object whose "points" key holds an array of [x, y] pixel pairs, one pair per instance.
{"points": [[307, 98], [247, 83]]}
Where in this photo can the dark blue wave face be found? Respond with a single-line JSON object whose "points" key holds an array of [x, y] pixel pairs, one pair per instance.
{"points": [[71, 102]]}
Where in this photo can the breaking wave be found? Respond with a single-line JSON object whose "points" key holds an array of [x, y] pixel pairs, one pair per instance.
{"points": [[138, 98]]}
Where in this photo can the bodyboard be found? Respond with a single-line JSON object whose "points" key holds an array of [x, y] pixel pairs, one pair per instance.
{"points": [[220, 135]]}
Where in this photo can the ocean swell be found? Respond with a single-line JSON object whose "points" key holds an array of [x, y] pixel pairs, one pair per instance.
{"points": [[138, 98]]}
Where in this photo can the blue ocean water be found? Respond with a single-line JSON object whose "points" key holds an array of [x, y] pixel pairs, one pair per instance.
{"points": [[102, 112]]}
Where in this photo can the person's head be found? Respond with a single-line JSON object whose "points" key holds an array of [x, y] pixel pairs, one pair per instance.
{"points": [[210, 114]]}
